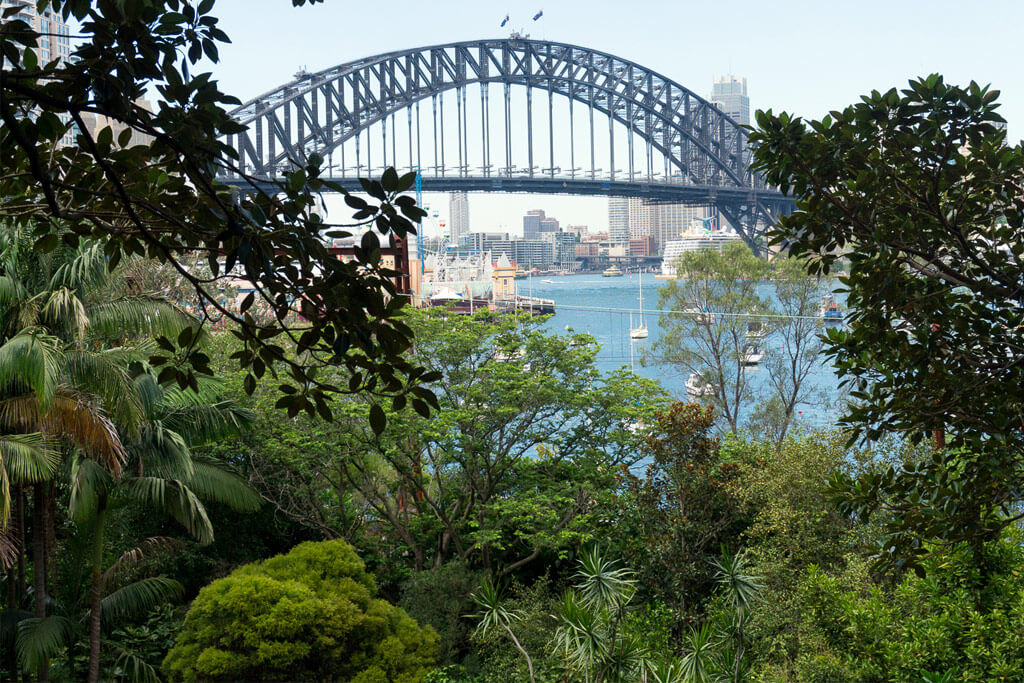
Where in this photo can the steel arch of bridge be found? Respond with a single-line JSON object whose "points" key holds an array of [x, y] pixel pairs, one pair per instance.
{"points": [[705, 152]]}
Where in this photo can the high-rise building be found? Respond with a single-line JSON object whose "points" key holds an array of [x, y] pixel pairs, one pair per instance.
{"points": [[54, 40], [629, 218], [729, 93], [536, 222], [458, 216]]}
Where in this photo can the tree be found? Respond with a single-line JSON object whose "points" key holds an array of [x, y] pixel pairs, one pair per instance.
{"points": [[794, 345], [516, 465], [166, 199], [920, 192], [674, 520], [309, 614], [590, 635], [704, 326], [741, 591], [162, 475], [58, 312], [494, 615]]}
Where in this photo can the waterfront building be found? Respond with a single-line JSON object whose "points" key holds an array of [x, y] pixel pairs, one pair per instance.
{"points": [[563, 245], [480, 241], [458, 215], [536, 223], [629, 218], [729, 93], [643, 246]]}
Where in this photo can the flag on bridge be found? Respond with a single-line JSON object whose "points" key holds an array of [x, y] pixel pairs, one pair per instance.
{"points": [[504, 21], [538, 15]]}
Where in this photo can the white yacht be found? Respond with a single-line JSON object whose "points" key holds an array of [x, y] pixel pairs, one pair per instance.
{"points": [[641, 331], [698, 387], [752, 354]]}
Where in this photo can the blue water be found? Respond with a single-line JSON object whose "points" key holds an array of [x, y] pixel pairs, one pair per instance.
{"points": [[576, 297]]}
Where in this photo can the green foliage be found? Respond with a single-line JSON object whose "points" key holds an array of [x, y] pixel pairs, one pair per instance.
{"points": [[309, 614], [919, 630], [796, 525], [165, 200], [440, 598], [518, 464], [919, 191], [672, 522]]}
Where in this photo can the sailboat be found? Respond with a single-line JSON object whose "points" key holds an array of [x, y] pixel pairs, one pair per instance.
{"points": [[641, 331]]}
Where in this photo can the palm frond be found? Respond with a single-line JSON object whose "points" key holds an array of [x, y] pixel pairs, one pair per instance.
{"points": [[103, 374], [89, 480], [25, 458], [83, 268], [29, 458], [72, 416], [32, 359], [139, 597], [12, 292], [63, 310], [41, 639], [139, 315], [138, 669], [163, 452], [210, 422], [140, 555], [213, 481], [175, 499], [8, 551]]}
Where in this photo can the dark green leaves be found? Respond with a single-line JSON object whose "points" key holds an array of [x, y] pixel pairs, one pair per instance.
{"points": [[378, 421], [912, 191]]}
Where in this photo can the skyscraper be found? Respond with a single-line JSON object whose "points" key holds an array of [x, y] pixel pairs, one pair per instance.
{"points": [[629, 218], [729, 93], [458, 216], [54, 40]]}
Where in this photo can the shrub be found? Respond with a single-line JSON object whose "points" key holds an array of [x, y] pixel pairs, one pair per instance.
{"points": [[308, 615]]}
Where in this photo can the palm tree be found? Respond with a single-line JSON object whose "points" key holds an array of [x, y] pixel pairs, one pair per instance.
{"points": [[60, 312], [161, 474]]}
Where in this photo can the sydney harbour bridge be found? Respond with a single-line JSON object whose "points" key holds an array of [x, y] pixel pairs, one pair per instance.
{"points": [[512, 115]]}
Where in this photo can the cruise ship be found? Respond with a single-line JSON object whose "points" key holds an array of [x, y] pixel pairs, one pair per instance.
{"points": [[692, 241]]}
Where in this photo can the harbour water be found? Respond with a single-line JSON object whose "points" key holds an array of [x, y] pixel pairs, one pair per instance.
{"points": [[602, 307]]}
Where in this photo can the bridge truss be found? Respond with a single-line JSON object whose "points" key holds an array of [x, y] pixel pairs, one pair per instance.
{"points": [[523, 120]]}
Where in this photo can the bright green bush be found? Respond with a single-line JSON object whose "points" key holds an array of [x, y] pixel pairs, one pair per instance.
{"points": [[308, 615]]}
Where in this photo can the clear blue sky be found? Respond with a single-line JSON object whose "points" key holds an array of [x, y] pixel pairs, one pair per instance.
{"points": [[804, 56]]}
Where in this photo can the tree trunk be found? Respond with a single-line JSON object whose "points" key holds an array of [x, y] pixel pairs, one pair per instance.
{"points": [[96, 592], [39, 561], [21, 543], [515, 641], [51, 537]]}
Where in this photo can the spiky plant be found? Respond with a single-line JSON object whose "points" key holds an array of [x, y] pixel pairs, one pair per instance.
{"points": [[494, 615]]}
